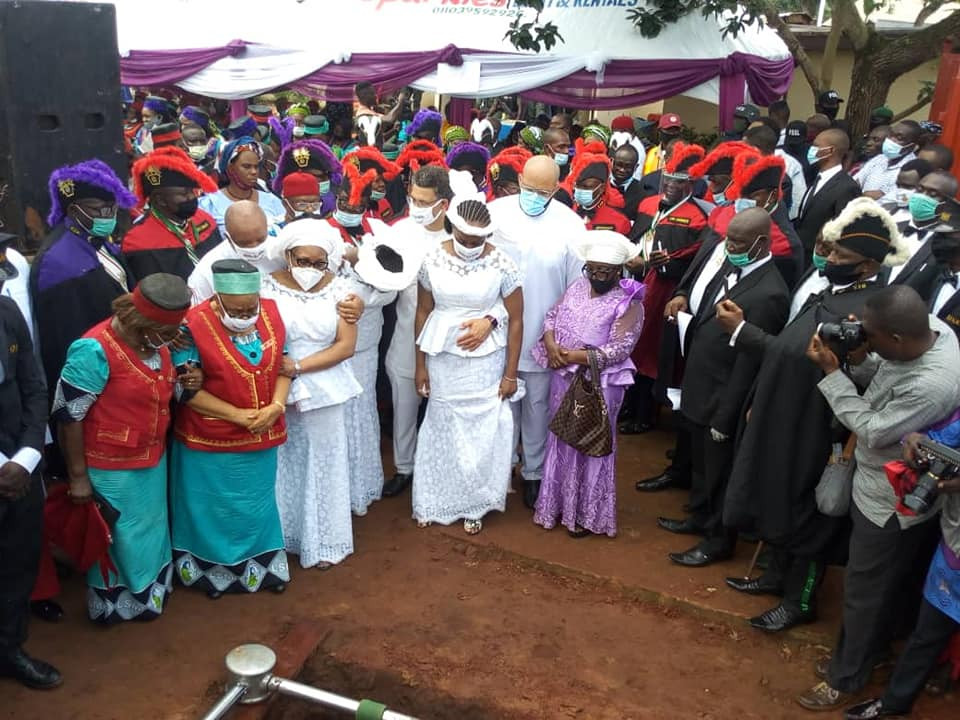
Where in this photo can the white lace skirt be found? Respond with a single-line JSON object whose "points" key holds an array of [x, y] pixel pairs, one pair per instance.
{"points": [[465, 442], [363, 434], [313, 486]]}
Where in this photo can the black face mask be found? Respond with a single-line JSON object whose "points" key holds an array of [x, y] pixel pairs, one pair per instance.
{"points": [[187, 209], [601, 287], [944, 248], [841, 274]]}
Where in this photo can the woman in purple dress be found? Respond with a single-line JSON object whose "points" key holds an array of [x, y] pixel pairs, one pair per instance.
{"points": [[604, 312]]}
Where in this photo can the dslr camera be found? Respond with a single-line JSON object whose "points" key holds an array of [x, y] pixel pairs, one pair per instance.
{"points": [[842, 337], [942, 462]]}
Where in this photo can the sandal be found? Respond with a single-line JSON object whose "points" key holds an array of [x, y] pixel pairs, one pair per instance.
{"points": [[578, 532], [472, 527], [423, 523], [322, 565]]}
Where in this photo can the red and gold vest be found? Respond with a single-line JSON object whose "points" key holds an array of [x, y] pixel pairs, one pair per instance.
{"points": [[126, 428], [230, 376]]}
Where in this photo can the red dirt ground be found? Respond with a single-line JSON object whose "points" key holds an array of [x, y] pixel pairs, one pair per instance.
{"points": [[515, 623]]}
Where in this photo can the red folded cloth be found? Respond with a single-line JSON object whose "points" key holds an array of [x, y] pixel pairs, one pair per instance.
{"points": [[903, 480], [79, 530]]}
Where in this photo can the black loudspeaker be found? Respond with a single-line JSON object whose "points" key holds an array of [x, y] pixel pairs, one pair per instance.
{"points": [[61, 103]]}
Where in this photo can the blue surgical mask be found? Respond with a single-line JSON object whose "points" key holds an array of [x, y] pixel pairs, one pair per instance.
{"points": [[923, 207], [584, 198], [324, 187], [742, 259], [720, 198], [891, 150], [819, 261], [532, 203], [812, 157], [561, 159], [347, 220], [377, 195], [741, 204]]}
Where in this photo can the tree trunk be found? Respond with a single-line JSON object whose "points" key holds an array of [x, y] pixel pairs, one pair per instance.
{"points": [[868, 90]]}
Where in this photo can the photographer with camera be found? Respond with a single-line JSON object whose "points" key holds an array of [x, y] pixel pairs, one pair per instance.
{"points": [[912, 380], [789, 429], [939, 616]]}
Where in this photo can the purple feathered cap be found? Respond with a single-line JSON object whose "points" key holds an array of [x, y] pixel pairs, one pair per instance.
{"points": [[67, 183], [426, 120], [282, 129], [301, 155], [468, 152]]}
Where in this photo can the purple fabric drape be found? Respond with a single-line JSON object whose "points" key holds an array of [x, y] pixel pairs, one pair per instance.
{"points": [[628, 83], [166, 67], [459, 111], [388, 71]]}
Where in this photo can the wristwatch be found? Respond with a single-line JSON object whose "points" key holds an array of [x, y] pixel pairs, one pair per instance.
{"points": [[296, 368], [494, 323]]}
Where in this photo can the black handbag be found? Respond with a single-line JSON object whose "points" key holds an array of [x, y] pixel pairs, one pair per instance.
{"points": [[582, 421]]}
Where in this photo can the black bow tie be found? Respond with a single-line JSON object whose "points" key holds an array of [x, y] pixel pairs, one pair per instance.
{"points": [[948, 278]]}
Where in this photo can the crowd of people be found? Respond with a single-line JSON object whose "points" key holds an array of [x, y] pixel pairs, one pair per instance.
{"points": [[200, 362]]}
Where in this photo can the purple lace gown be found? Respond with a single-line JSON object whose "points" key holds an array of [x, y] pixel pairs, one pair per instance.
{"points": [[577, 490]]}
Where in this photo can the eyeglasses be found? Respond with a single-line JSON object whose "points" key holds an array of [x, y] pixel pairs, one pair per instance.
{"points": [[305, 206], [595, 273], [104, 211], [546, 194], [303, 262]]}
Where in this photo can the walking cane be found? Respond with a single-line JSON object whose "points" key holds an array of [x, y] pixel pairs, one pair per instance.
{"points": [[753, 561]]}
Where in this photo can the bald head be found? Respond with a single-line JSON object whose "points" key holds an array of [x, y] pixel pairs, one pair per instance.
{"points": [[246, 224], [556, 140], [541, 173], [749, 232], [897, 323], [752, 220], [834, 137], [832, 146], [816, 124]]}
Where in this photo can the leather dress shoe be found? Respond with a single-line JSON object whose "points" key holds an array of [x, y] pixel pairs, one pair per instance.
{"points": [[632, 427], [531, 491], [397, 484], [781, 618], [33, 673], [48, 610], [663, 481], [687, 526], [871, 709], [757, 586], [697, 557]]}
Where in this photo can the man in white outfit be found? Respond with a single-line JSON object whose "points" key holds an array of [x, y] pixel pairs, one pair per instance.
{"points": [[428, 198], [540, 237]]}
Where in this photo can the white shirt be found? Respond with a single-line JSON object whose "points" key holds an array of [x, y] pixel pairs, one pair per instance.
{"points": [[544, 249], [732, 279], [878, 175], [795, 173], [18, 289], [401, 355], [947, 291], [710, 270], [813, 285], [200, 281]]}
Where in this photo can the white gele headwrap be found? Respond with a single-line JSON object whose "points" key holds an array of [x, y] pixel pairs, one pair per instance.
{"points": [[461, 182], [405, 243], [620, 138], [308, 232], [606, 246], [479, 127]]}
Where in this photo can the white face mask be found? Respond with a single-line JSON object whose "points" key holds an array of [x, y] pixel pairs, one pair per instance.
{"points": [[306, 277], [251, 255], [235, 324], [424, 216], [468, 253]]}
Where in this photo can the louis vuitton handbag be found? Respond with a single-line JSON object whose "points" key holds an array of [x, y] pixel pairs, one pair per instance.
{"points": [[582, 421]]}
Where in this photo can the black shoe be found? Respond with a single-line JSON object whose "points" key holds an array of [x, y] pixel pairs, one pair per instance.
{"points": [[632, 427], [671, 454], [871, 709], [531, 491], [48, 610], [214, 594], [758, 586], [278, 589], [581, 533], [687, 526], [397, 484], [33, 673], [697, 557], [663, 481], [781, 618]]}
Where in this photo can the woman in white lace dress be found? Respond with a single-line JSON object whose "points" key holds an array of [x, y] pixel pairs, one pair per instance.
{"points": [[465, 444], [313, 469]]}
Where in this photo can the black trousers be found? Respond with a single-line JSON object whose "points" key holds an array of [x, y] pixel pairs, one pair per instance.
{"points": [[882, 561], [639, 404], [711, 463], [799, 575], [21, 527], [930, 637]]}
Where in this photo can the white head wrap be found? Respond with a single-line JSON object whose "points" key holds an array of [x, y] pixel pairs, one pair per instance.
{"points": [[461, 182], [406, 244], [309, 232], [619, 138], [479, 127], [606, 246]]}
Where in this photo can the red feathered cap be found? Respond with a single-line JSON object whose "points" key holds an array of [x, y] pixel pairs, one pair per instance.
{"points": [[682, 158], [418, 153], [368, 157], [591, 160], [167, 167], [300, 184], [507, 165], [719, 161], [755, 172], [357, 181]]}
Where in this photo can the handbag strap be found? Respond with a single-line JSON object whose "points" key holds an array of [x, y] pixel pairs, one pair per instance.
{"points": [[594, 368], [850, 447]]}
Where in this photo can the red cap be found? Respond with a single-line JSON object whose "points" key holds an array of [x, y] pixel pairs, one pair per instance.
{"points": [[622, 123], [153, 312], [670, 120], [299, 184]]}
